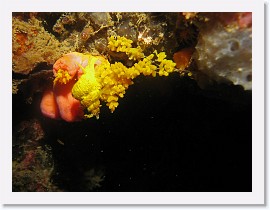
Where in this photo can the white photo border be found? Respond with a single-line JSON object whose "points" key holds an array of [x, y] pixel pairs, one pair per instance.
{"points": [[254, 197]]}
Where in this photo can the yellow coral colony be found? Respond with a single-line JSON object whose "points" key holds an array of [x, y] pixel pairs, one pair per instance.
{"points": [[102, 81], [122, 44], [62, 77]]}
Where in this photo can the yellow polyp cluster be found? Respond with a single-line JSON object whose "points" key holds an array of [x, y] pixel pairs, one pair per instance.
{"points": [[102, 81], [145, 67], [122, 44], [119, 44], [114, 82], [135, 53], [61, 77], [112, 102], [165, 66]]}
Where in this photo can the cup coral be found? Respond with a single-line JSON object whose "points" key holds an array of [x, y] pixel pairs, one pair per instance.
{"points": [[83, 81]]}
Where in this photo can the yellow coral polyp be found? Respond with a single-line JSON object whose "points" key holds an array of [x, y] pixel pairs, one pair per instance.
{"points": [[134, 53], [160, 56], [61, 77], [112, 105]]}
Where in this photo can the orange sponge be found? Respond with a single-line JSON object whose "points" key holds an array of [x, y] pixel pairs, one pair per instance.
{"points": [[48, 105]]}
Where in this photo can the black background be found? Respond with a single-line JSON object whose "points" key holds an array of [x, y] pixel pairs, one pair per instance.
{"points": [[167, 135]]}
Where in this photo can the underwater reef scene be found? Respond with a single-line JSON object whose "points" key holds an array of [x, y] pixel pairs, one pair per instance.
{"points": [[132, 102]]}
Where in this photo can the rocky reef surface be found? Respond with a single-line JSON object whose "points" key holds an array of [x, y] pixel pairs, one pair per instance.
{"points": [[187, 130]]}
